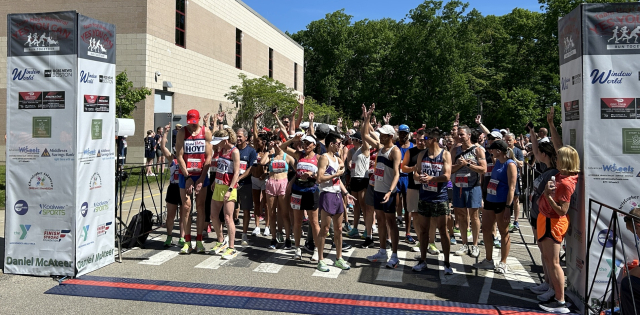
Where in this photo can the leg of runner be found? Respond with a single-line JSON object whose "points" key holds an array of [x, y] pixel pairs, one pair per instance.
{"points": [[337, 239], [394, 235], [284, 212], [505, 238], [200, 214], [314, 226], [216, 208], [322, 236], [444, 240], [475, 225], [171, 215], [462, 217], [433, 250], [357, 210], [271, 212], [488, 221], [228, 209], [422, 224], [185, 218]]}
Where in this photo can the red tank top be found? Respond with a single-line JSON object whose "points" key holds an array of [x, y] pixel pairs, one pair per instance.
{"points": [[224, 170], [194, 152], [307, 165], [373, 153]]}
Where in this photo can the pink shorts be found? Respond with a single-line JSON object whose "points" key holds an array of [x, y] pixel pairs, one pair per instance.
{"points": [[277, 187]]}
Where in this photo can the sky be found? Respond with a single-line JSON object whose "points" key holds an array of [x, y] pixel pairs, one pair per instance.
{"points": [[292, 16]]}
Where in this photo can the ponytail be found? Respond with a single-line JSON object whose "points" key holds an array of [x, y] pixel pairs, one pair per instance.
{"points": [[510, 154]]}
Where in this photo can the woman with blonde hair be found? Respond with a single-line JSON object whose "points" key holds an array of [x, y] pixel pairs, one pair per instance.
{"points": [[553, 223]]}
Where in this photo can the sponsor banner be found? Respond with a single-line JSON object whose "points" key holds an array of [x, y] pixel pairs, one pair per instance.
{"points": [[41, 34], [612, 29], [95, 235], [569, 36]]}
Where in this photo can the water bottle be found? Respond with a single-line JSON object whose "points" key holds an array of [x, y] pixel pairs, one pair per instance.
{"points": [[350, 205], [553, 180]]}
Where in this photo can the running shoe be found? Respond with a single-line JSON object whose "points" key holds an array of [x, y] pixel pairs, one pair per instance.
{"points": [[368, 242], [501, 268], [419, 266], [309, 246], [374, 230], [410, 239], [314, 257], [393, 262], [485, 264], [453, 240], [346, 246], [219, 247], [555, 306], [330, 233], [364, 234], [516, 224], [456, 232], [353, 233], [497, 243], [539, 289], [432, 249], [298, 254], [181, 242], [167, 242], [200, 247], [208, 228], [244, 240], [481, 242], [379, 256], [186, 249], [416, 249], [464, 249], [287, 244], [305, 221], [230, 253], [547, 296], [512, 228], [279, 237], [474, 251], [267, 232], [346, 227], [273, 244], [322, 266], [256, 231], [236, 221], [342, 264], [448, 271]]}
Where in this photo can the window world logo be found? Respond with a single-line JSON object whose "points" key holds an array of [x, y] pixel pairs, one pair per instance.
{"points": [[87, 77], [27, 74], [611, 77], [617, 169], [564, 83]]}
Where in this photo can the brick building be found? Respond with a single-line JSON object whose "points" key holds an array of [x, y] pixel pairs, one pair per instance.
{"points": [[199, 46]]}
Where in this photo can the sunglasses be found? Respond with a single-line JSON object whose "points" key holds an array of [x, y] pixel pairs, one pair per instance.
{"points": [[426, 138]]}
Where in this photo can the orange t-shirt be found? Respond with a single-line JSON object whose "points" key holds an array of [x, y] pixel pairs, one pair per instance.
{"points": [[565, 186]]}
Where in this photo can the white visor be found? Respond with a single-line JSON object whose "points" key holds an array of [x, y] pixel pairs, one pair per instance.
{"points": [[310, 139], [217, 140]]}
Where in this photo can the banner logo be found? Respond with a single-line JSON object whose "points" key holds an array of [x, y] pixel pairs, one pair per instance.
{"points": [[55, 235], [617, 169], [106, 79], [612, 77], [605, 238], [576, 79], [50, 209], [84, 209], [618, 108], [28, 74], [96, 49], [624, 35], [21, 207], [96, 181], [569, 47], [101, 206], [40, 181], [43, 43], [45, 153], [24, 229], [564, 83], [87, 77], [58, 73], [103, 228], [85, 233]]}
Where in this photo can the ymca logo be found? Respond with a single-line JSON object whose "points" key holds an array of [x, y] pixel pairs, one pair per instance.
{"points": [[85, 233], [24, 229]]}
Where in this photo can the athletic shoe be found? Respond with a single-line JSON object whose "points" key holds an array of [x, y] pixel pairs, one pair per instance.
{"points": [[379, 256], [399, 221], [448, 271], [236, 221], [279, 237], [456, 232], [267, 232], [181, 242], [368, 242], [419, 266], [309, 247], [393, 262], [230, 253], [305, 221], [432, 249], [208, 228], [415, 249], [462, 251], [298, 254], [512, 228], [273, 244], [501, 268], [186, 249], [346, 247], [410, 239], [244, 240], [256, 231], [322, 266], [539, 289], [342, 264], [469, 236], [485, 264], [555, 307], [544, 297], [346, 227], [353, 233], [167, 242], [453, 240], [199, 247], [497, 243], [374, 230], [474, 251], [517, 225], [481, 242], [287, 244], [219, 247], [364, 234], [314, 257]]}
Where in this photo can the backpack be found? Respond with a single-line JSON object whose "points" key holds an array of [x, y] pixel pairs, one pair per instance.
{"points": [[138, 230]]}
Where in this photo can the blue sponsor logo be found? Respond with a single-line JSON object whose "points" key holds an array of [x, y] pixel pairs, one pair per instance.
{"points": [[564, 83], [608, 77], [84, 209], [21, 207], [28, 74], [87, 77], [85, 233], [606, 239], [617, 169]]}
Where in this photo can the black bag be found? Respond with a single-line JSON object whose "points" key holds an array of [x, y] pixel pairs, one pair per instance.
{"points": [[138, 230]]}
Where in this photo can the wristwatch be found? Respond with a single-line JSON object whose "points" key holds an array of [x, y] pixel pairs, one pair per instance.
{"points": [[230, 189]]}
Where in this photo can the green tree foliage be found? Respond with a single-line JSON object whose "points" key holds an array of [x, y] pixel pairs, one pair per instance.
{"points": [[127, 97]]}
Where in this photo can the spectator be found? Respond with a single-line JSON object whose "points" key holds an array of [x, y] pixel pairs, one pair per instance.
{"points": [[159, 156], [150, 151], [173, 138]]}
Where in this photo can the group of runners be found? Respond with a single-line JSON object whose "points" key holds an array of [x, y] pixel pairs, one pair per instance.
{"points": [[311, 177]]}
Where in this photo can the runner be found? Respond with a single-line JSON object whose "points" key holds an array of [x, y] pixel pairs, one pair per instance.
{"points": [[358, 159], [193, 152], [519, 159], [330, 168], [467, 195], [370, 146], [304, 190], [404, 145], [173, 190], [433, 172], [279, 164], [413, 194], [225, 191], [248, 157], [258, 176]]}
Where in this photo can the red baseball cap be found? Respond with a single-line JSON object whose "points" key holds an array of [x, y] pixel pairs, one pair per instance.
{"points": [[193, 117]]}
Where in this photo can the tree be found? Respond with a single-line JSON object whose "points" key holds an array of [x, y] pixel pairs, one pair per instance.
{"points": [[127, 97]]}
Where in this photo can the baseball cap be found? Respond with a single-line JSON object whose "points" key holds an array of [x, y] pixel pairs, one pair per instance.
{"points": [[499, 145], [387, 130], [496, 135], [217, 140], [403, 128], [193, 117], [357, 136], [179, 125], [323, 128], [503, 130]]}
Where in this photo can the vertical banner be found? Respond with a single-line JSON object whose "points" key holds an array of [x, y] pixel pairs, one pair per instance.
{"points": [[40, 155], [573, 118], [96, 108]]}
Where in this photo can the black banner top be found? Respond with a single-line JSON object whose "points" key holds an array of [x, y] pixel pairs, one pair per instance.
{"points": [[37, 34], [612, 28], [569, 36], [96, 40]]}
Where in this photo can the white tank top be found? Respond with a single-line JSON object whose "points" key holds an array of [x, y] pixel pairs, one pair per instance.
{"points": [[383, 171], [359, 164], [333, 185]]}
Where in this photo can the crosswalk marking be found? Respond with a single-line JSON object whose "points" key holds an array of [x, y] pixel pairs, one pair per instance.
{"points": [[459, 277], [392, 275], [333, 272], [160, 258], [215, 261], [275, 262], [517, 276]]}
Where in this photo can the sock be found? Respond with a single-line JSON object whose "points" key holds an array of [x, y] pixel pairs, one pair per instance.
{"points": [[383, 250], [187, 238], [369, 238], [199, 237], [561, 302], [244, 234]]}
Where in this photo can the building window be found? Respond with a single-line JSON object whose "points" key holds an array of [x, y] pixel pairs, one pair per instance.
{"points": [[295, 75], [181, 26], [239, 49], [270, 63]]}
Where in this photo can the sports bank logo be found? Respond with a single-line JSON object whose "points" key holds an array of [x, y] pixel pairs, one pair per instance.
{"points": [[96, 181], [606, 239], [608, 76], [103, 228], [21, 207], [40, 181], [84, 209], [24, 230], [26, 74], [55, 235]]}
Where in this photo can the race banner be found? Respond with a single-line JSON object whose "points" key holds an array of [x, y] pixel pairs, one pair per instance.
{"points": [[40, 155], [95, 228]]}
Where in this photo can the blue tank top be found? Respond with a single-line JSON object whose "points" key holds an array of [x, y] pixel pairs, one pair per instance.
{"points": [[278, 166], [498, 187], [433, 192], [402, 152]]}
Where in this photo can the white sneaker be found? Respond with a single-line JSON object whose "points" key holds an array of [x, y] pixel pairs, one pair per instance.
{"points": [[393, 262], [419, 266], [485, 264], [474, 251], [415, 249], [539, 289], [448, 271], [547, 295], [379, 256], [315, 255], [298, 254], [374, 229], [462, 251], [432, 249], [501, 268], [256, 231], [267, 232], [244, 240]]}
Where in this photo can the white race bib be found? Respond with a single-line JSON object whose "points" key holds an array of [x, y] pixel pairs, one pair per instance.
{"points": [[492, 188], [296, 200]]}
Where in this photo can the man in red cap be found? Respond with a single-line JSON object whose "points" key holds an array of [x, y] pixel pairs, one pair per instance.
{"points": [[193, 151]]}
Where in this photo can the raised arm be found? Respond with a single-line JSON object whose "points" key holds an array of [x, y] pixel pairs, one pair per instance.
{"points": [[163, 142], [286, 146], [555, 136], [300, 112], [255, 126], [311, 130], [481, 126]]}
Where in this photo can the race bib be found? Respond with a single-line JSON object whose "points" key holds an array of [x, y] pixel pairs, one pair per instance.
{"points": [[278, 166], [296, 200], [489, 169], [194, 165], [243, 167], [430, 186], [492, 188], [372, 180], [223, 166], [462, 180], [353, 165], [379, 172]]}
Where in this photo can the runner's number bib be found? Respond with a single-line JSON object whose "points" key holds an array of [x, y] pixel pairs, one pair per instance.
{"points": [[296, 200], [492, 188], [462, 180]]}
